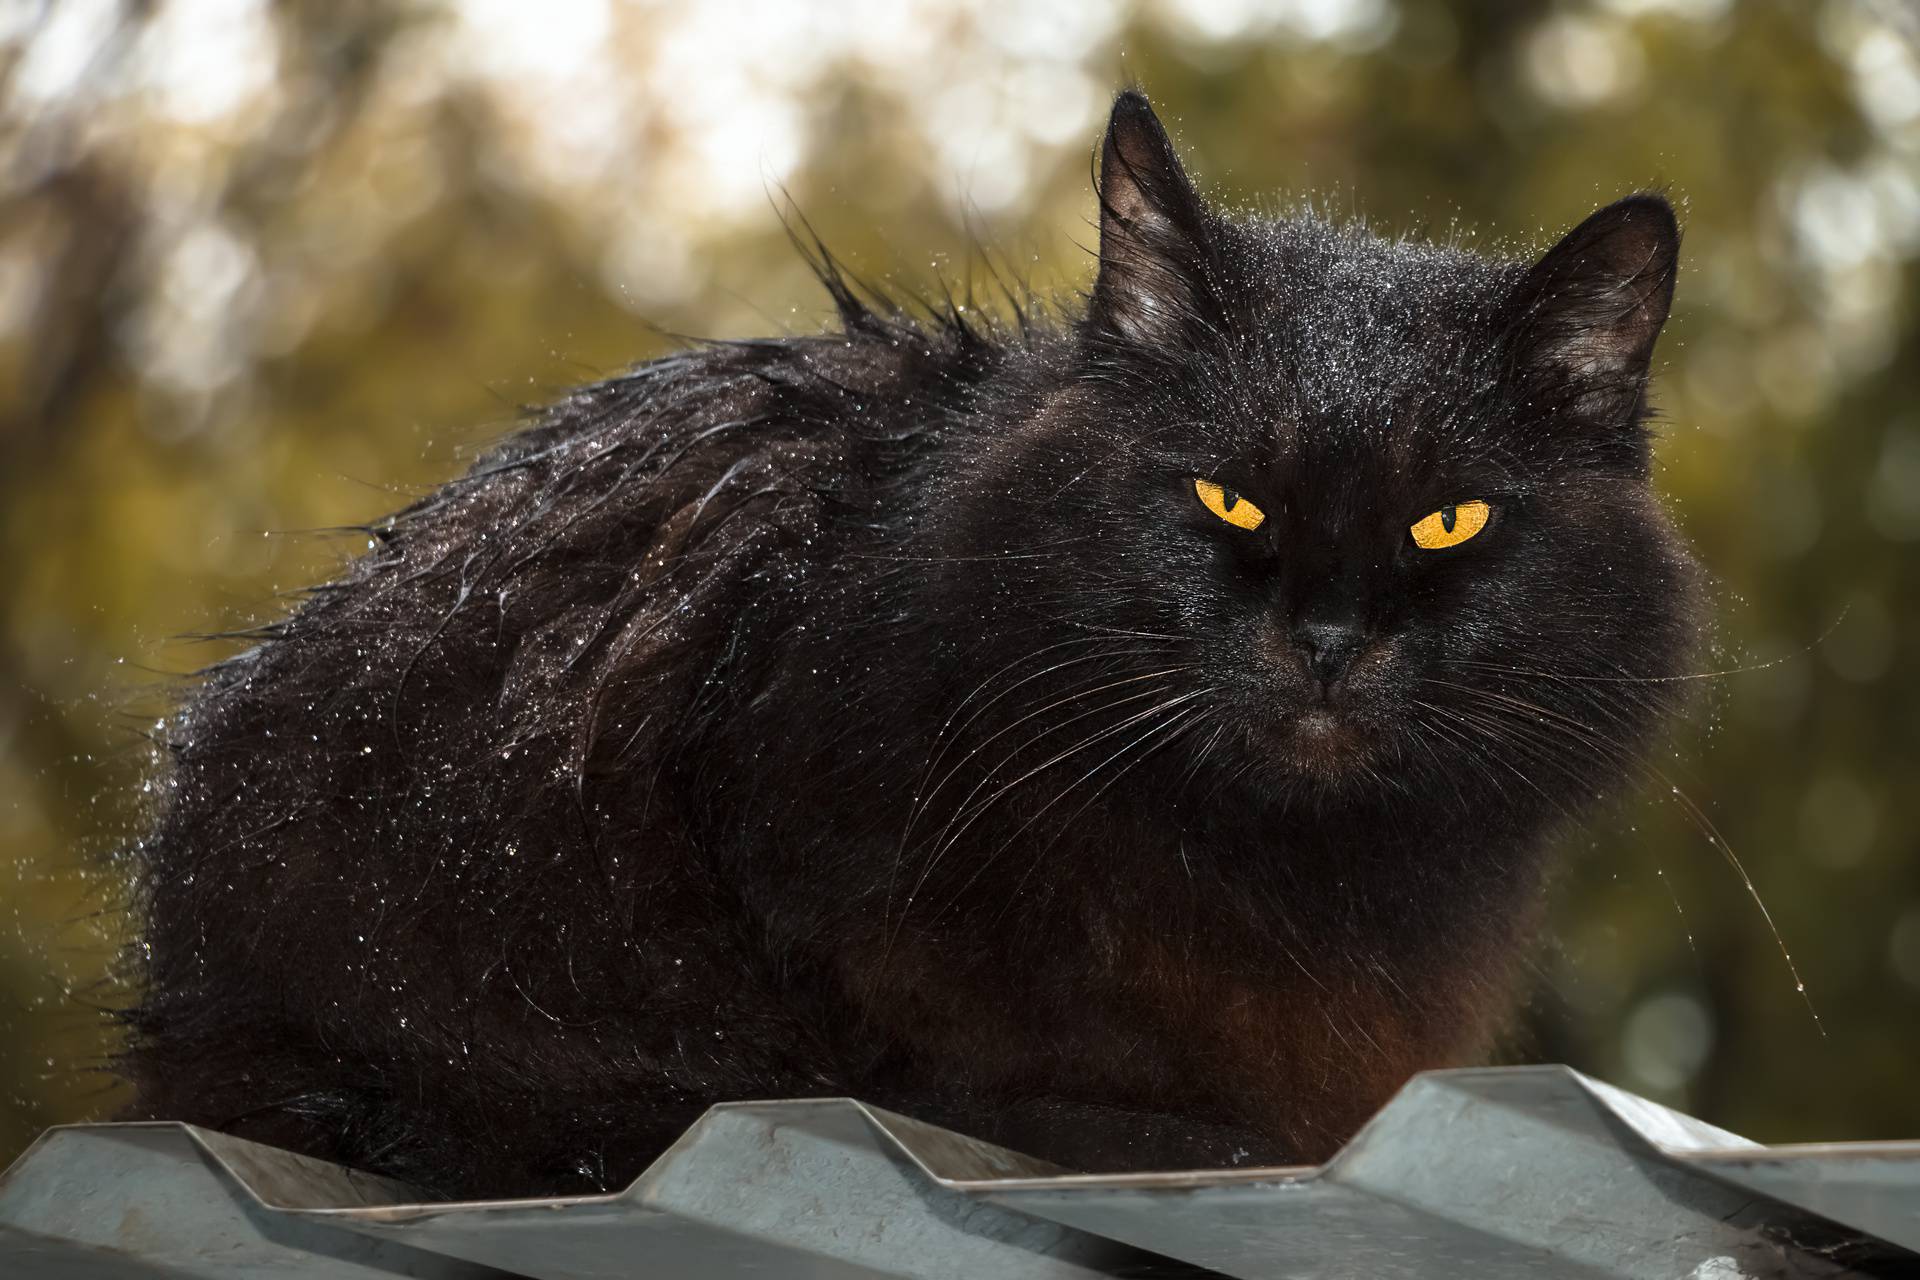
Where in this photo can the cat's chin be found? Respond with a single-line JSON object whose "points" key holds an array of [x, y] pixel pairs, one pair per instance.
{"points": [[1323, 743]]}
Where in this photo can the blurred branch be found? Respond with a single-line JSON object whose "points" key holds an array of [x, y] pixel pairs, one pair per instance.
{"points": [[53, 187]]}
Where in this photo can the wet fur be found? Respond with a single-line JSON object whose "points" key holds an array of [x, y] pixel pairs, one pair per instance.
{"points": [[877, 713]]}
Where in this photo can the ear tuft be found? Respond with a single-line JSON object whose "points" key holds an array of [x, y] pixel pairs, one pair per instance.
{"points": [[1590, 310], [1152, 229]]}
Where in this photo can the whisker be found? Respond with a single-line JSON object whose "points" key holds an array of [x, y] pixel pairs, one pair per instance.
{"points": [[1676, 679], [1040, 711], [1166, 732], [945, 842], [1508, 705], [947, 734]]}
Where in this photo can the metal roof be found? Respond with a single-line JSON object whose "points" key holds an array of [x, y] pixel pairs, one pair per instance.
{"points": [[1516, 1172]]}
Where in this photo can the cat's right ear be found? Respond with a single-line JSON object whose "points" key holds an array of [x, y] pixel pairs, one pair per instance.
{"points": [[1152, 231], [1589, 311]]}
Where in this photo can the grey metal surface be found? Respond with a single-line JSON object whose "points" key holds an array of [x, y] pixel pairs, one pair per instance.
{"points": [[1519, 1172]]}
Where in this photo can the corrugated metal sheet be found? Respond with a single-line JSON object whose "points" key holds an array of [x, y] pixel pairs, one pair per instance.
{"points": [[1524, 1172]]}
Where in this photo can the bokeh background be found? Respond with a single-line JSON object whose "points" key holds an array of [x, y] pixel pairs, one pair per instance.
{"points": [[267, 269]]}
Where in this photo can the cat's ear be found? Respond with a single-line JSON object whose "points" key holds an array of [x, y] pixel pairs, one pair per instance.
{"points": [[1588, 312], [1152, 230]]}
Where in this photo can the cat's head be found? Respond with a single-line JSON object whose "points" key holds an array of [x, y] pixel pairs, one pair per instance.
{"points": [[1360, 510]]}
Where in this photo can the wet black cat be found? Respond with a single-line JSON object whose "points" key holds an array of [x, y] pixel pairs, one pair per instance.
{"points": [[1130, 740]]}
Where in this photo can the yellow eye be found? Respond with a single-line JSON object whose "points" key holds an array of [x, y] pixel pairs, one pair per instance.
{"points": [[1228, 505], [1451, 526]]}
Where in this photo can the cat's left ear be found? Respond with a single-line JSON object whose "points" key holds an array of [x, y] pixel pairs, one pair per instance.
{"points": [[1589, 311], [1152, 231]]}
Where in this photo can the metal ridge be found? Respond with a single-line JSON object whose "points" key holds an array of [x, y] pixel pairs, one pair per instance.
{"points": [[1495, 1172]]}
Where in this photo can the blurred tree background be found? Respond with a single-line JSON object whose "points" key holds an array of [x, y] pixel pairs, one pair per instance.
{"points": [[267, 269]]}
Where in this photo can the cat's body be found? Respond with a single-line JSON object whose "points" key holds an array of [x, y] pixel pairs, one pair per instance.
{"points": [[881, 714]]}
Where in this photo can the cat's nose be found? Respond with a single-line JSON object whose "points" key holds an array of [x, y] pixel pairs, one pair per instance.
{"points": [[1328, 646]]}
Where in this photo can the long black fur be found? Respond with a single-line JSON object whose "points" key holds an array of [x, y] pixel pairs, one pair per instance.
{"points": [[880, 713]]}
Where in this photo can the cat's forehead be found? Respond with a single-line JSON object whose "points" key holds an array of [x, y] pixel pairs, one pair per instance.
{"points": [[1361, 355], [1355, 310]]}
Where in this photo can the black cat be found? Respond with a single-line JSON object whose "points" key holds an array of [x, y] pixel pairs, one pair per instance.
{"points": [[1130, 740]]}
